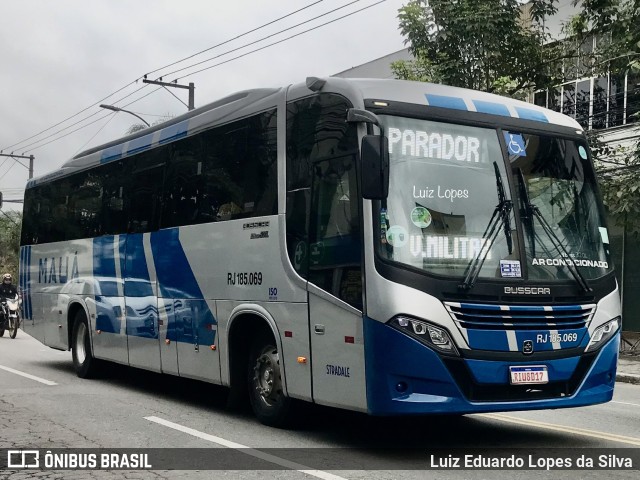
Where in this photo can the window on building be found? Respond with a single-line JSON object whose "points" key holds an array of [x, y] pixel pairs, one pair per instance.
{"points": [[616, 99], [540, 98], [633, 97], [569, 99], [599, 116], [583, 100]]}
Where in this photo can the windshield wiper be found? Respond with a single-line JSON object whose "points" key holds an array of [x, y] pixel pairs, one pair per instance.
{"points": [[533, 211], [500, 218]]}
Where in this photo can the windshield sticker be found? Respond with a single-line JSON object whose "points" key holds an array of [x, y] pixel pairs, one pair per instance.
{"points": [[416, 143], [383, 225], [515, 144], [397, 236], [604, 234], [583, 152], [510, 268], [433, 246], [421, 217], [557, 262]]}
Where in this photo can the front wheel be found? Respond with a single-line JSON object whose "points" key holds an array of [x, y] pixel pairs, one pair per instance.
{"points": [[85, 365], [13, 327], [268, 401]]}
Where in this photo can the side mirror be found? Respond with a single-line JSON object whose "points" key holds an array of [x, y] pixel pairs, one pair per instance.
{"points": [[374, 156]]}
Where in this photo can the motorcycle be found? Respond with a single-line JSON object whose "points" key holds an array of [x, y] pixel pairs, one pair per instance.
{"points": [[10, 312]]}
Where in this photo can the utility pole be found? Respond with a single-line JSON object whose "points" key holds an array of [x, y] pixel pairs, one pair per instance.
{"points": [[191, 87], [30, 157]]}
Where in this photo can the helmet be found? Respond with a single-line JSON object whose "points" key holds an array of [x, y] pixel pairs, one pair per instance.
{"points": [[6, 278]]}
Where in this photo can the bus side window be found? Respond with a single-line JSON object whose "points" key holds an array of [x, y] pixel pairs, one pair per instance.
{"points": [[223, 173]]}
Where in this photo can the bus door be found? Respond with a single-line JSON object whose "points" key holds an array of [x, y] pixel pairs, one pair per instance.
{"points": [[140, 283], [335, 285]]}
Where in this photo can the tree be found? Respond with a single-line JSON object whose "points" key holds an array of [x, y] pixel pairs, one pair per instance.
{"points": [[136, 127], [617, 24], [481, 44], [10, 223]]}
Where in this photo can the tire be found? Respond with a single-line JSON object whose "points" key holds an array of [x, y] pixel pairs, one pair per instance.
{"points": [[13, 328], [85, 365], [268, 401], [1, 332]]}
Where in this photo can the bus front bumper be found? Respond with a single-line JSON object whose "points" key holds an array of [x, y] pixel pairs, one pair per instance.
{"points": [[405, 377]]}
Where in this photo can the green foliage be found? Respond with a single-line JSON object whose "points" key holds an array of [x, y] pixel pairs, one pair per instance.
{"points": [[10, 242], [480, 44], [616, 25]]}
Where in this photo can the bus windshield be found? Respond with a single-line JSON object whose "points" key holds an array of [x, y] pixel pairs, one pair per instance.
{"points": [[448, 181], [444, 189], [555, 177]]}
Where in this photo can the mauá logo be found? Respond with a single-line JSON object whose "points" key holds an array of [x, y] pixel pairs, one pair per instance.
{"points": [[57, 270]]}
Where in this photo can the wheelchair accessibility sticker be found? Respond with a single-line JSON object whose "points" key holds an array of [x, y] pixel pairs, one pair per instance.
{"points": [[515, 144]]}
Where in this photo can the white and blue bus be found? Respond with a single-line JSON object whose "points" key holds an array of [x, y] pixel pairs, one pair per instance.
{"points": [[390, 247]]}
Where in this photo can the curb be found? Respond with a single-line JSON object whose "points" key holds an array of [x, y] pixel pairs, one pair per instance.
{"points": [[628, 378]]}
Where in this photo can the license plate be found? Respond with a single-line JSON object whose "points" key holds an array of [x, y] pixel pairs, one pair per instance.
{"points": [[528, 375]]}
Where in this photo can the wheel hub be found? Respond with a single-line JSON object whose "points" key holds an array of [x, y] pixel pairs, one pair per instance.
{"points": [[267, 377]]}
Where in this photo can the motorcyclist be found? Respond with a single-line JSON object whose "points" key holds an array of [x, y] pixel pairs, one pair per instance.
{"points": [[7, 289]]}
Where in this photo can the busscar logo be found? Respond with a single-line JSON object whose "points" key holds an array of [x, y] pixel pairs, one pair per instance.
{"points": [[527, 347], [23, 459], [527, 290]]}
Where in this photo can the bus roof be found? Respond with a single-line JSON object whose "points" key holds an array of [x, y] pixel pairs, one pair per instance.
{"points": [[250, 101]]}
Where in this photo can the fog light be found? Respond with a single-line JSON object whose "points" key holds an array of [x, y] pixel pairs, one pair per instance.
{"points": [[401, 387]]}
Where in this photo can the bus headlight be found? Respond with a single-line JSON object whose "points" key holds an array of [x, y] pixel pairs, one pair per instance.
{"points": [[431, 335], [603, 333]]}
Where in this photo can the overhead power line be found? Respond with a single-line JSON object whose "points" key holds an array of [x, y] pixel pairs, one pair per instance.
{"points": [[235, 38], [140, 77], [37, 144], [261, 39], [284, 39]]}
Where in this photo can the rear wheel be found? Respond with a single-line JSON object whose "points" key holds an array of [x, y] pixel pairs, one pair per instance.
{"points": [[13, 327], [85, 365], [1, 332], [268, 401]]}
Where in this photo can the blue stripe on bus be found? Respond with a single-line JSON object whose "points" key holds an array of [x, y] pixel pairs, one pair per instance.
{"points": [[491, 108], [112, 153], [560, 308], [488, 340], [444, 101], [476, 306], [136, 280], [175, 277], [173, 132], [190, 319], [104, 266], [108, 314], [526, 308], [140, 300], [139, 144], [529, 114]]}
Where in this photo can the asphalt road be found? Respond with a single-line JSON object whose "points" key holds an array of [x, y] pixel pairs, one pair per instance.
{"points": [[127, 408]]}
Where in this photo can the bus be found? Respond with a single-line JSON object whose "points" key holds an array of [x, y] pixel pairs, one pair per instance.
{"points": [[382, 246]]}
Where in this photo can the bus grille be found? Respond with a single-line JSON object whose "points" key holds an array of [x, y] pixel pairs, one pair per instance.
{"points": [[520, 317]]}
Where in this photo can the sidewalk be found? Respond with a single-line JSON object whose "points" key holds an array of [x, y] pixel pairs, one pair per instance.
{"points": [[628, 369]]}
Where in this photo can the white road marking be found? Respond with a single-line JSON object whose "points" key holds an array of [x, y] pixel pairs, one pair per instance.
{"points": [[563, 428], [626, 403], [247, 450], [27, 375]]}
